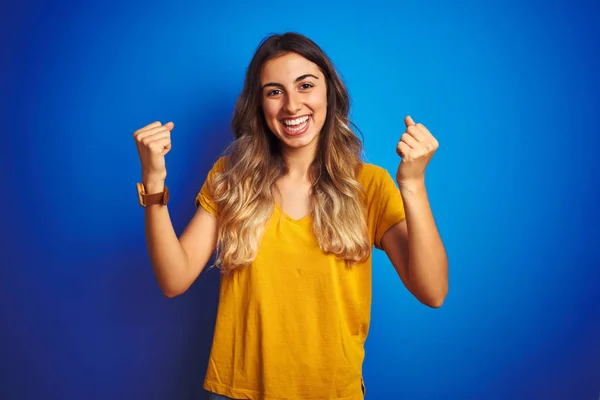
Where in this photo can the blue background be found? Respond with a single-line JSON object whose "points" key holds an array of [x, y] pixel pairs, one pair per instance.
{"points": [[509, 89]]}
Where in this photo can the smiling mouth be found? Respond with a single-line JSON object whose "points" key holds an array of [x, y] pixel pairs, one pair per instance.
{"points": [[296, 126]]}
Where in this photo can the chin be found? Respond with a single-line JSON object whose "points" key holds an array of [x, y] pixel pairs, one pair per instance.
{"points": [[298, 142]]}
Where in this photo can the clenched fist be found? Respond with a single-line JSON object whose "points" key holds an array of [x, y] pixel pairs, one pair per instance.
{"points": [[153, 141], [416, 147]]}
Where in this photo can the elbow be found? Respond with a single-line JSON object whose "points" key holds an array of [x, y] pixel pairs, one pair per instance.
{"points": [[171, 291], [172, 286], [434, 299], [433, 292], [436, 302], [171, 294]]}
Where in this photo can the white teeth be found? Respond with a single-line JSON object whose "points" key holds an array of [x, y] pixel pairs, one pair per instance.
{"points": [[296, 121]]}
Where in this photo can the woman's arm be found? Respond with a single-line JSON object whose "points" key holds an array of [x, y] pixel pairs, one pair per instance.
{"points": [[414, 245], [177, 262], [416, 251]]}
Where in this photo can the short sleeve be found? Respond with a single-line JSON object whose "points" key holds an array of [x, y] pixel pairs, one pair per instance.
{"points": [[204, 197], [387, 205]]}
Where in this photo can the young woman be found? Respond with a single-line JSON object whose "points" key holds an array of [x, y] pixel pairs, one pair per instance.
{"points": [[293, 214]]}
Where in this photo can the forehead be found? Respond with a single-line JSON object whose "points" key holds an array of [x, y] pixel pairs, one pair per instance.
{"points": [[288, 67]]}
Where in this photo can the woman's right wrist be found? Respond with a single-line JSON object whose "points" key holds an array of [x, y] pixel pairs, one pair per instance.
{"points": [[152, 186]]}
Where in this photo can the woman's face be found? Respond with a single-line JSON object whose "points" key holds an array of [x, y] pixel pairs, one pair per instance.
{"points": [[294, 100]]}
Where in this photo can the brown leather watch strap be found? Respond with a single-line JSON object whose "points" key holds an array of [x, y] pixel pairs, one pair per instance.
{"points": [[153, 198]]}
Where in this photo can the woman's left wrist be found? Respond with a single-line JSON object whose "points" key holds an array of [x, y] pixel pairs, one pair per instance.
{"points": [[412, 186]]}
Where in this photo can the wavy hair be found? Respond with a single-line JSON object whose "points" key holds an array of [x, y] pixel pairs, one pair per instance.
{"points": [[242, 192]]}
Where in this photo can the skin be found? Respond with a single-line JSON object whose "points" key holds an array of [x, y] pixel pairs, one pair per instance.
{"points": [[414, 246], [293, 87]]}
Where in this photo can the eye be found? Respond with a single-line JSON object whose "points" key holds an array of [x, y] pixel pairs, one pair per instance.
{"points": [[306, 86], [273, 92]]}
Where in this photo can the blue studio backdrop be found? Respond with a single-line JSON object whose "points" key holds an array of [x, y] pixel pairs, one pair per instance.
{"points": [[508, 88]]}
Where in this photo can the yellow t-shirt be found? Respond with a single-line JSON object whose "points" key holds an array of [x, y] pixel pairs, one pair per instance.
{"points": [[293, 324]]}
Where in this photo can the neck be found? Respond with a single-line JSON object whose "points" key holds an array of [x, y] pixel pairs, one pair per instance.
{"points": [[298, 161]]}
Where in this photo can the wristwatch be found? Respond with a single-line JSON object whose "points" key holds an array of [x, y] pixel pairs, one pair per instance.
{"points": [[153, 198]]}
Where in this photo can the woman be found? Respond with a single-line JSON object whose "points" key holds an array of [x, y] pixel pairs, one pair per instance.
{"points": [[293, 213]]}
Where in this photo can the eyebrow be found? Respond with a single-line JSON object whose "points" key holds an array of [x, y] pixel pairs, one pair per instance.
{"points": [[301, 77]]}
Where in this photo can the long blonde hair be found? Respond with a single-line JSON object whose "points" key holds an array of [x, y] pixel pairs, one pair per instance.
{"points": [[253, 163]]}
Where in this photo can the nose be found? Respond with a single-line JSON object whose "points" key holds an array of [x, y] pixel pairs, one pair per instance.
{"points": [[293, 103]]}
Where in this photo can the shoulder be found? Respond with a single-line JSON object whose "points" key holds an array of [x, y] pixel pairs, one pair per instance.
{"points": [[205, 196], [376, 181], [219, 166], [371, 174]]}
